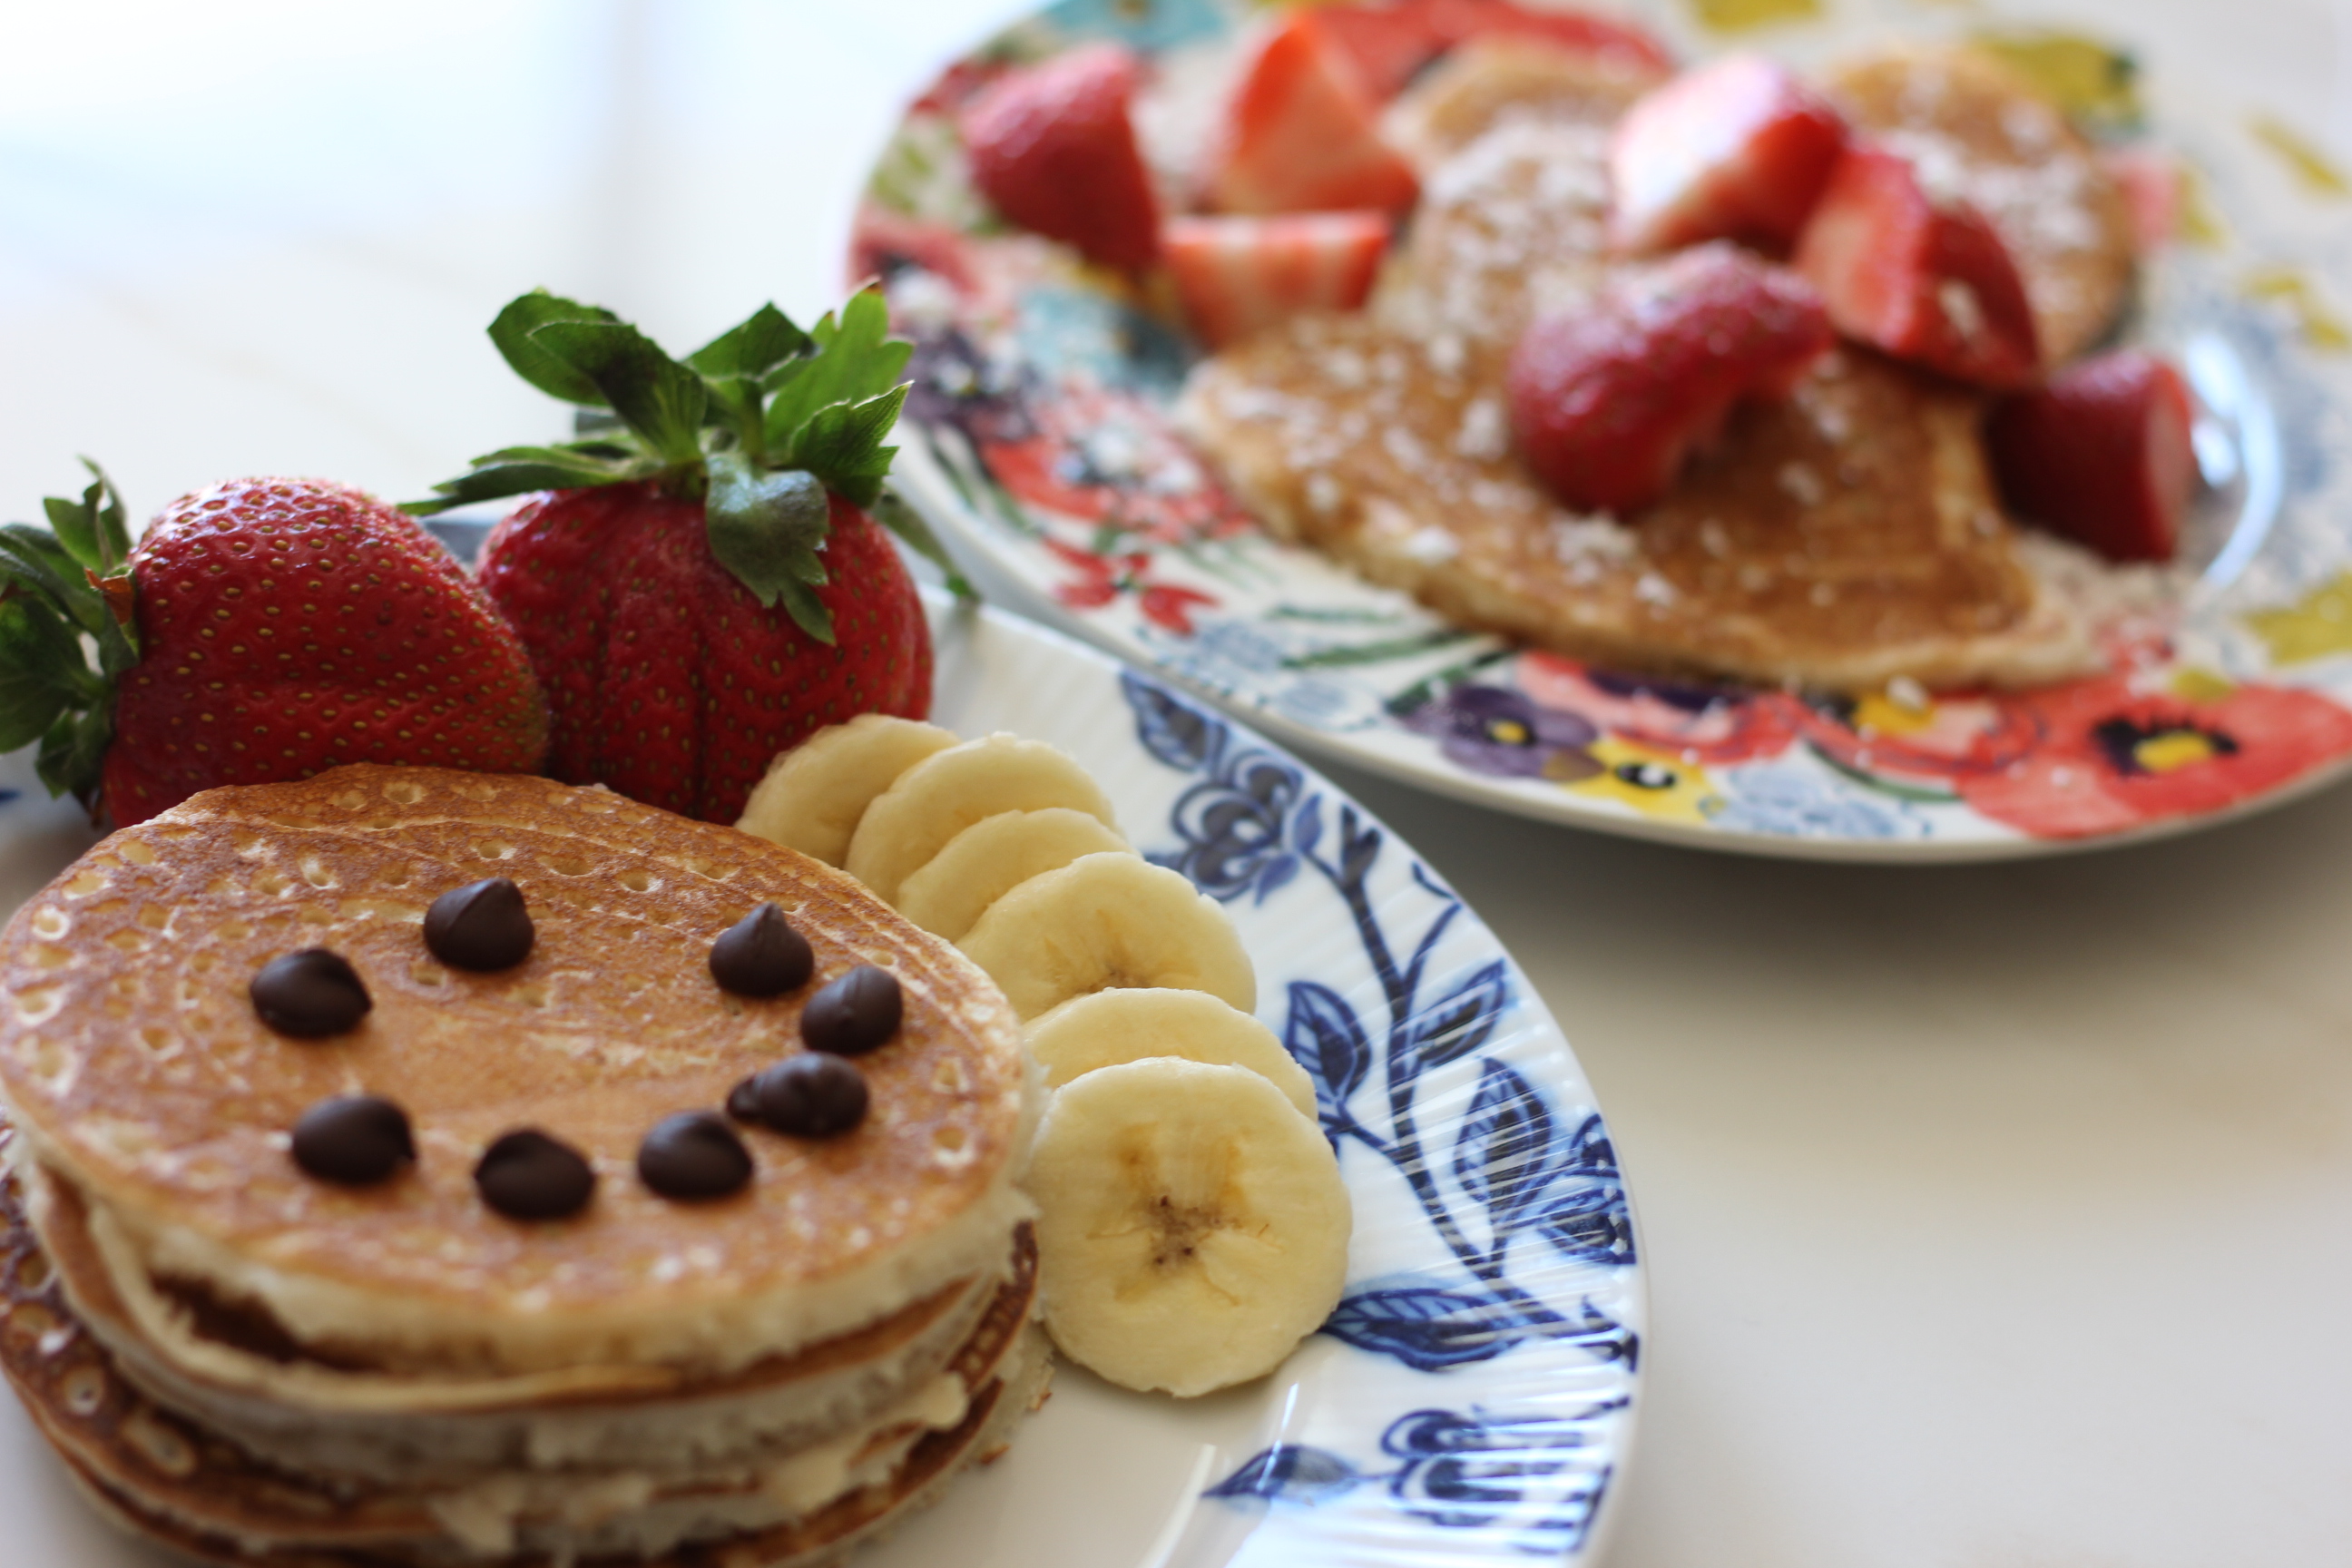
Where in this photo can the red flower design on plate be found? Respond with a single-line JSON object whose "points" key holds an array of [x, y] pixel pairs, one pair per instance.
{"points": [[1698, 722], [1946, 736], [1103, 578], [1109, 457], [883, 244], [2115, 758]]}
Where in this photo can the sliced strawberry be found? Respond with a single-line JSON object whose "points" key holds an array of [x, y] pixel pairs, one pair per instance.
{"points": [[1299, 134], [1051, 146], [2101, 454], [1390, 45], [1581, 31], [1606, 403], [1238, 275], [1736, 150], [1927, 281], [2152, 195]]}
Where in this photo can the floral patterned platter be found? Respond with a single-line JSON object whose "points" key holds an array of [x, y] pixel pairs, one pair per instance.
{"points": [[1473, 1399], [1040, 447]]}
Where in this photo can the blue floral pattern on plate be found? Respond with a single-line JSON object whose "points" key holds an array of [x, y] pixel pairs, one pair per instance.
{"points": [[1533, 1217]]}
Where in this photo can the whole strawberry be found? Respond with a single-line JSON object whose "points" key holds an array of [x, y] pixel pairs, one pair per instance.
{"points": [[704, 586], [263, 630]]}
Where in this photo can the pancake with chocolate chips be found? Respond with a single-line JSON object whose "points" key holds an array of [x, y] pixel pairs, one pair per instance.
{"points": [[385, 1137]]}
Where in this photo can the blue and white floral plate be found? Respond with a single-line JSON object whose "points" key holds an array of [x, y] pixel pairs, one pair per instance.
{"points": [[1040, 445], [1473, 1399]]}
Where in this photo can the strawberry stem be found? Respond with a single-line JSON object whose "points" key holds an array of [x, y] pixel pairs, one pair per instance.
{"points": [[757, 424], [65, 591]]}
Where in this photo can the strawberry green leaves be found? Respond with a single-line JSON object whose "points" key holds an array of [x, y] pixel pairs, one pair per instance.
{"points": [[760, 422], [855, 363], [92, 529], [736, 366], [767, 527], [57, 586], [661, 401], [538, 363]]}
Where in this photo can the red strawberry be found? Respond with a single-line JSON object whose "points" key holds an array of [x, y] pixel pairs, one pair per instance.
{"points": [[670, 680], [1390, 44], [1926, 281], [1300, 135], [1386, 46], [1236, 275], [1736, 150], [1607, 402], [1578, 31], [2154, 193], [704, 587], [2102, 454], [275, 628], [1051, 146]]}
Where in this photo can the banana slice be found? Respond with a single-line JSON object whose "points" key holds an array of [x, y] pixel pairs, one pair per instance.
{"points": [[1102, 922], [941, 796], [813, 795], [990, 858], [1088, 1033], [1192, 1226]]}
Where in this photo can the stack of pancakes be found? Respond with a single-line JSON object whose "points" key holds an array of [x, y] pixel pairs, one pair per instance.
{"points": [[258, 1366], [1841, 538]]}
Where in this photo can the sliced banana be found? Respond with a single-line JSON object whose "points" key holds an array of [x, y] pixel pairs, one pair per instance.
{"points": [[1088, 1033], [1192, 1226], [941, 796], [813, 795], [990, 858], [1103, 922]]}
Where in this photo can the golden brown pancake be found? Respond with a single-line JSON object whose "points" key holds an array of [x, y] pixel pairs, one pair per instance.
{"points": [[177, 1480], [1975, 128], [138, 1069], [1488, 81], [1841, 538], [672, 1427]]}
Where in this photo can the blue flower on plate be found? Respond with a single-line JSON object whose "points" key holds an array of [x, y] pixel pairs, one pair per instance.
{"points": [[1796, 802], [1494, 729], [1513, 1185], [1535, 1473], [1148, 25], [1065, 332]]}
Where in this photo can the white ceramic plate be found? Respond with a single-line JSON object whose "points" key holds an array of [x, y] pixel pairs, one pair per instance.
{"points": [[1040, 447], [1472, 1400]]}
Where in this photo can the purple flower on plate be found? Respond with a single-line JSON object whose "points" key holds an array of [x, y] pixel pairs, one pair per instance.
{"points": [[1493, 729]]}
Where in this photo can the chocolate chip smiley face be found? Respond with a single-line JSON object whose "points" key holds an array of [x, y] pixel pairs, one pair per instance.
{"points": [[130, 1045], [527, 1173]]}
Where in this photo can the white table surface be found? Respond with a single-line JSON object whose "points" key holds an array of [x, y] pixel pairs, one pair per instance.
{"points": [[1994, 1216]]}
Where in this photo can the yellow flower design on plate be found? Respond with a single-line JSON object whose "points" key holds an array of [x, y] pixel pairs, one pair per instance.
{"points": [[1654, 783], [2091, 81], [2317, 625], [1741, 16]]}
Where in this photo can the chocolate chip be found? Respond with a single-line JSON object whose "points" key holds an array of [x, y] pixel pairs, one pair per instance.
{"points": [[354, 1139], [743, 1099], [811, 1096], [851, 1015], [693, 1154], [761, 955], [481, 926], [526, 1174], [309, 995]]}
